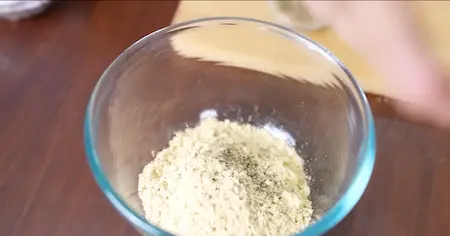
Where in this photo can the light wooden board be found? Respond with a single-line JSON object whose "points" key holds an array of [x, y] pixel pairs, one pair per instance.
{"points": [[435, 16]]}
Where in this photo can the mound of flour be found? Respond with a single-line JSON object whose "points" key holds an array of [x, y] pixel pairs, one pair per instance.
{"points": [[226, 178]]}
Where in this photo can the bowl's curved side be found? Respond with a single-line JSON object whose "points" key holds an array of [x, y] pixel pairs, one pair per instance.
{"points": [[366, 157]]}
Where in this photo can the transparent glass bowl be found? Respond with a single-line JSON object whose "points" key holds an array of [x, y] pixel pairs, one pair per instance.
{"points": [[245, 70]]}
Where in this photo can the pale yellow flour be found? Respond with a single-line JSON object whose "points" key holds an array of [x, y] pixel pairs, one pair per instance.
{"points": [[225, 178]]}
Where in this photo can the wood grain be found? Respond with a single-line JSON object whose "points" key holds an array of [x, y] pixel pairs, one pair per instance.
{"points": [[48, 68]]}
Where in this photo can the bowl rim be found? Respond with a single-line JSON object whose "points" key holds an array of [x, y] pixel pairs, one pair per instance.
{"points": [[351, 196]]}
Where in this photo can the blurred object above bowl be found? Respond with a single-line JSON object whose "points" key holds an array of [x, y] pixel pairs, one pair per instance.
{"points": [[18, 9], [432, 15], [294, 14]]}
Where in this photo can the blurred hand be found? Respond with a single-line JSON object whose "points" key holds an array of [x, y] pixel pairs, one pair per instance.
{"points": [[386, 35]]}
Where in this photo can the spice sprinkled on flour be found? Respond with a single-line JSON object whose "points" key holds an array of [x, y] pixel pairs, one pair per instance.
{"points": [[226, 178]]}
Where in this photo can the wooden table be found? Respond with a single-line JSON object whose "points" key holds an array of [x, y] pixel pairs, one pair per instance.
{"points": [[48, 68]]}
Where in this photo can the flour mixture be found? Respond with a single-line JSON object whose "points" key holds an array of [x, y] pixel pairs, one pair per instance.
{"points": [[226, 178]]}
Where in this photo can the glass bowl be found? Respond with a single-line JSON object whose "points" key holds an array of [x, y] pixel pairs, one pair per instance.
{"points": [[240, 69]]}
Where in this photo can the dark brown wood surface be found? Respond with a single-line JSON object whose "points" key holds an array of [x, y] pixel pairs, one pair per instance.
{"points": [[48, 68]]}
